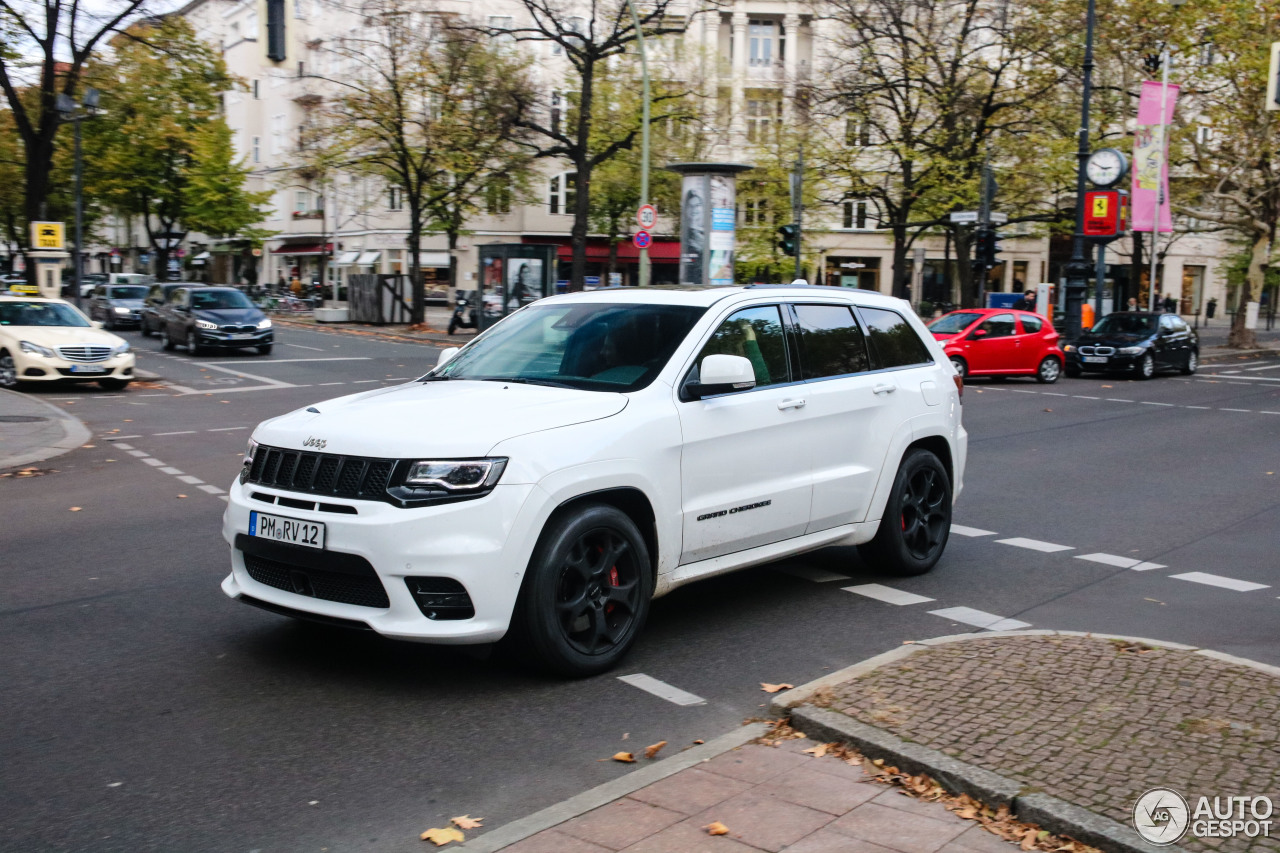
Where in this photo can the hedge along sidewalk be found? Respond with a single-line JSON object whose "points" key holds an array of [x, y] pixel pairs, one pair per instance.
{"points": [[1068, 729]]}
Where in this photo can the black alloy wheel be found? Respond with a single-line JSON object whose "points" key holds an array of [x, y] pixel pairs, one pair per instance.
{"points": [[1146, 367], [8, 372], [916, 523], [587, 591], [1193, 362]]}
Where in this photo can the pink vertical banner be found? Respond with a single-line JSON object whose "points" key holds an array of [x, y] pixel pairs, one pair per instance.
{"points": [[1150, 158]]}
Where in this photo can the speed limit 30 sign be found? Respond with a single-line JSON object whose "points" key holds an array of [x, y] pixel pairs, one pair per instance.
{"points": [[647, 217]]}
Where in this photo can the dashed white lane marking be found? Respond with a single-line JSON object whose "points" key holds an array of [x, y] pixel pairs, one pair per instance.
{"points": [[1195, 407], [809, 573], [1117, 400], [1219, 581], [213, 490], [300, 346], [326, 384], [1148, 403], [225, 429], [1271, 366], [362, 381], [1083, 397], [282, 361], [1054, 394], [152, 461], [971, 531], [1034, 544], [172, 472], [887, 594], [190, 480], [1235, 410], [179, 432], [118, 439], [980, 619], [1120, 562], [124, 446], [661, 689], [138, 453]]}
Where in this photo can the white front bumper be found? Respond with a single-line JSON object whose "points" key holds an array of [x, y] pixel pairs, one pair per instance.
{"points": [[484, 544], [116, 367]]}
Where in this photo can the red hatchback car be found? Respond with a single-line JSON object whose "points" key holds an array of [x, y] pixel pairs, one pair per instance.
{"points": [[1000, 342]]}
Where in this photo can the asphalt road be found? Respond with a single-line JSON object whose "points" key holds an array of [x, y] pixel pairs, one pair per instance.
{"points": [[144, 711]]}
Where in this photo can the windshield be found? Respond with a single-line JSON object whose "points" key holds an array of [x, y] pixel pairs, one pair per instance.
{"points": [[40, 314], [593, 347], [215, 299], [130, 292], [1126, 324], [953, 323]]}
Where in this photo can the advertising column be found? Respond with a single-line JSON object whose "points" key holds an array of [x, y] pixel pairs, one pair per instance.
{"points": [[707, 221]]}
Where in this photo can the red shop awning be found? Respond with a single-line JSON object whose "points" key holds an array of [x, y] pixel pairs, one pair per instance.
{"points": [[662, 250]]}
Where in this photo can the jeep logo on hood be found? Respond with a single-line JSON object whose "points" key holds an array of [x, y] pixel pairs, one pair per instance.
{"points": [[317, 443]]}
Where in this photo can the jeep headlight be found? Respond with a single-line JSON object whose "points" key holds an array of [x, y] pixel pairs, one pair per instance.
{"points": [[456, 475], [1132, 350], [36, 349], [205, 324], [264, 323]]}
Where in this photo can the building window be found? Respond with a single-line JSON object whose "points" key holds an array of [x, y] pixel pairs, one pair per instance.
{"points": [[395, 198], [503, 23], [860, 215], [761, 35], [255, 90], [257, 149], [277, 133], [301, 201], [563, 190], [761, 115], [574, 26], [755, 211], [497, 195], [276, 49], [857, 132], [557, 111]]}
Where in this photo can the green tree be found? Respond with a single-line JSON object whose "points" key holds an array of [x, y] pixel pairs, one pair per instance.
{"points": [[162, 152]]}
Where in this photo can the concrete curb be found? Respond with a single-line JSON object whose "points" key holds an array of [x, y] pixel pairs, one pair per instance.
{"points": [[73, 434], [1211, 357], [1051, 813], [608, 792], [427, 338]]}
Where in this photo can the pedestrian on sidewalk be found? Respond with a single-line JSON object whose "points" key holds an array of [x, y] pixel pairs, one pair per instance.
{"points": [[1170, 304], [1133, 304], [1027, 302]]}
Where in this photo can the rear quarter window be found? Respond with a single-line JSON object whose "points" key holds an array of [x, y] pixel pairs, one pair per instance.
{"points": [[894, 343]]}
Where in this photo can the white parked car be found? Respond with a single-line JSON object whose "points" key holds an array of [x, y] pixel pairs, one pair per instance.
{"points": [[595, 450], [49, 340]]}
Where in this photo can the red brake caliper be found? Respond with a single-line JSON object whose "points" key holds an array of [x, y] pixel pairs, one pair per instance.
{"points": [[613, 581]]}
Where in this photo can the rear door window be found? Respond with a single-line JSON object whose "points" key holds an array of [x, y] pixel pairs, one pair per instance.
{"points": [[1030, 325], [894, 343], [831, 341]]}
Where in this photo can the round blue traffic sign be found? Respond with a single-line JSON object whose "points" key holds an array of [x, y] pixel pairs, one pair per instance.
{"points": [[642, 239]]}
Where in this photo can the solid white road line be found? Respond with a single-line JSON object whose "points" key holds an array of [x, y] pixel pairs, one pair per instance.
{"points": [[1219, 581], [661, 689], [1270, 366], [283, 361], [886, 594], [1120, 562], [971, 531], [1034, 544], [809, 573], [979, 619], [300, 346], [190, 480]]}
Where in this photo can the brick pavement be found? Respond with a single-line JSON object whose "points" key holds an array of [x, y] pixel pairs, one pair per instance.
{"points": [[772, 798], [1094, 722]]}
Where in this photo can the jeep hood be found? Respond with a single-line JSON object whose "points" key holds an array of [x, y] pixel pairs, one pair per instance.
{"points": [[457, 418]]}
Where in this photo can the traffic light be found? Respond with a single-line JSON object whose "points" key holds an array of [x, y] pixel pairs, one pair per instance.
{"points": [[787, 239], [985, 248]]}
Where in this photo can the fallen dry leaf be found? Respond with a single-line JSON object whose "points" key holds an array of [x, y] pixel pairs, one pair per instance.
{"points": [[441, 837], [1028, 840], [87, 446], [716, 828], [774, 688], [699, 741], [819, 750], [182, 496], [1048, 410], [466, 821], [75, 509], [624, 757], [652, 750]]}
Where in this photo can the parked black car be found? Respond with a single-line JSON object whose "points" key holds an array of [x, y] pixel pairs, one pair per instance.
{"points": [[157, 296], [117, 305], [213, 317], [1135, 343]]}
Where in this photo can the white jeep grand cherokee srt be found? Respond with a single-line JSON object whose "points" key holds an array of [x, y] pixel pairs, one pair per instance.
{"points": [[596, 450]]}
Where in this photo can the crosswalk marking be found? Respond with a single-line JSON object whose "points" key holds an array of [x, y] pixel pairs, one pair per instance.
{"points": [[1034, 544], [980, 619], [661, 689], [887, 594], [1219, 581], [1120, 562]]}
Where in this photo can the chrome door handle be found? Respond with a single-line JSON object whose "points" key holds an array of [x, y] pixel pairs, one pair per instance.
{"points": [[884, 388], [791, 404]]}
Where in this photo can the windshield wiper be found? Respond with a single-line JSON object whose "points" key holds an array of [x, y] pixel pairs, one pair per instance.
{"points": [[433, 378], [523, 381]]}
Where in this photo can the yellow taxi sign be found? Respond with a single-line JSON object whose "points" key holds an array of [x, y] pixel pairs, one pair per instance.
{"points": [[24, 290], [47, 235]]}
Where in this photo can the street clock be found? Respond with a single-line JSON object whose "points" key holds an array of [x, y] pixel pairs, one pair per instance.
{"points": [[1107, 167]]}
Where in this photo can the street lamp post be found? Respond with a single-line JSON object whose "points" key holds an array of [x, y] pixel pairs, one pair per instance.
{"points": [[1078, 267], [70, 111], [644, 132]]}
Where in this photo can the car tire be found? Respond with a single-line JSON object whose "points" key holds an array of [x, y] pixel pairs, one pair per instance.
{"points": [[1146, 367], [1049, 370], [1193, 362], [961, 367], [109, 323], [166, 342], [113, 384], [917, 520], [265, 349], [453, 325], [8, 371], [193, 343], [143, 330], [587, 591], [1072, 371]]}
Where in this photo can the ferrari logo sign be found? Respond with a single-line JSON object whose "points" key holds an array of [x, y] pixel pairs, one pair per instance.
{"points": [[47, 235]]}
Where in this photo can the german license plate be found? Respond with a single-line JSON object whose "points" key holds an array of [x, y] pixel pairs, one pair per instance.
{"points": [[243, 336], [86, 368], [309, 534], [1095, 359]]}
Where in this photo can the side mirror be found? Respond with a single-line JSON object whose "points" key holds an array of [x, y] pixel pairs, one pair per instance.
{"points": [[722, 374], [446, 354], [978, 333]]}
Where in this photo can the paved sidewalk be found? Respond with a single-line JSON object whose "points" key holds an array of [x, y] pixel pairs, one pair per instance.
{"points": [[774, 798], [1095, 722], [32, 430]]}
